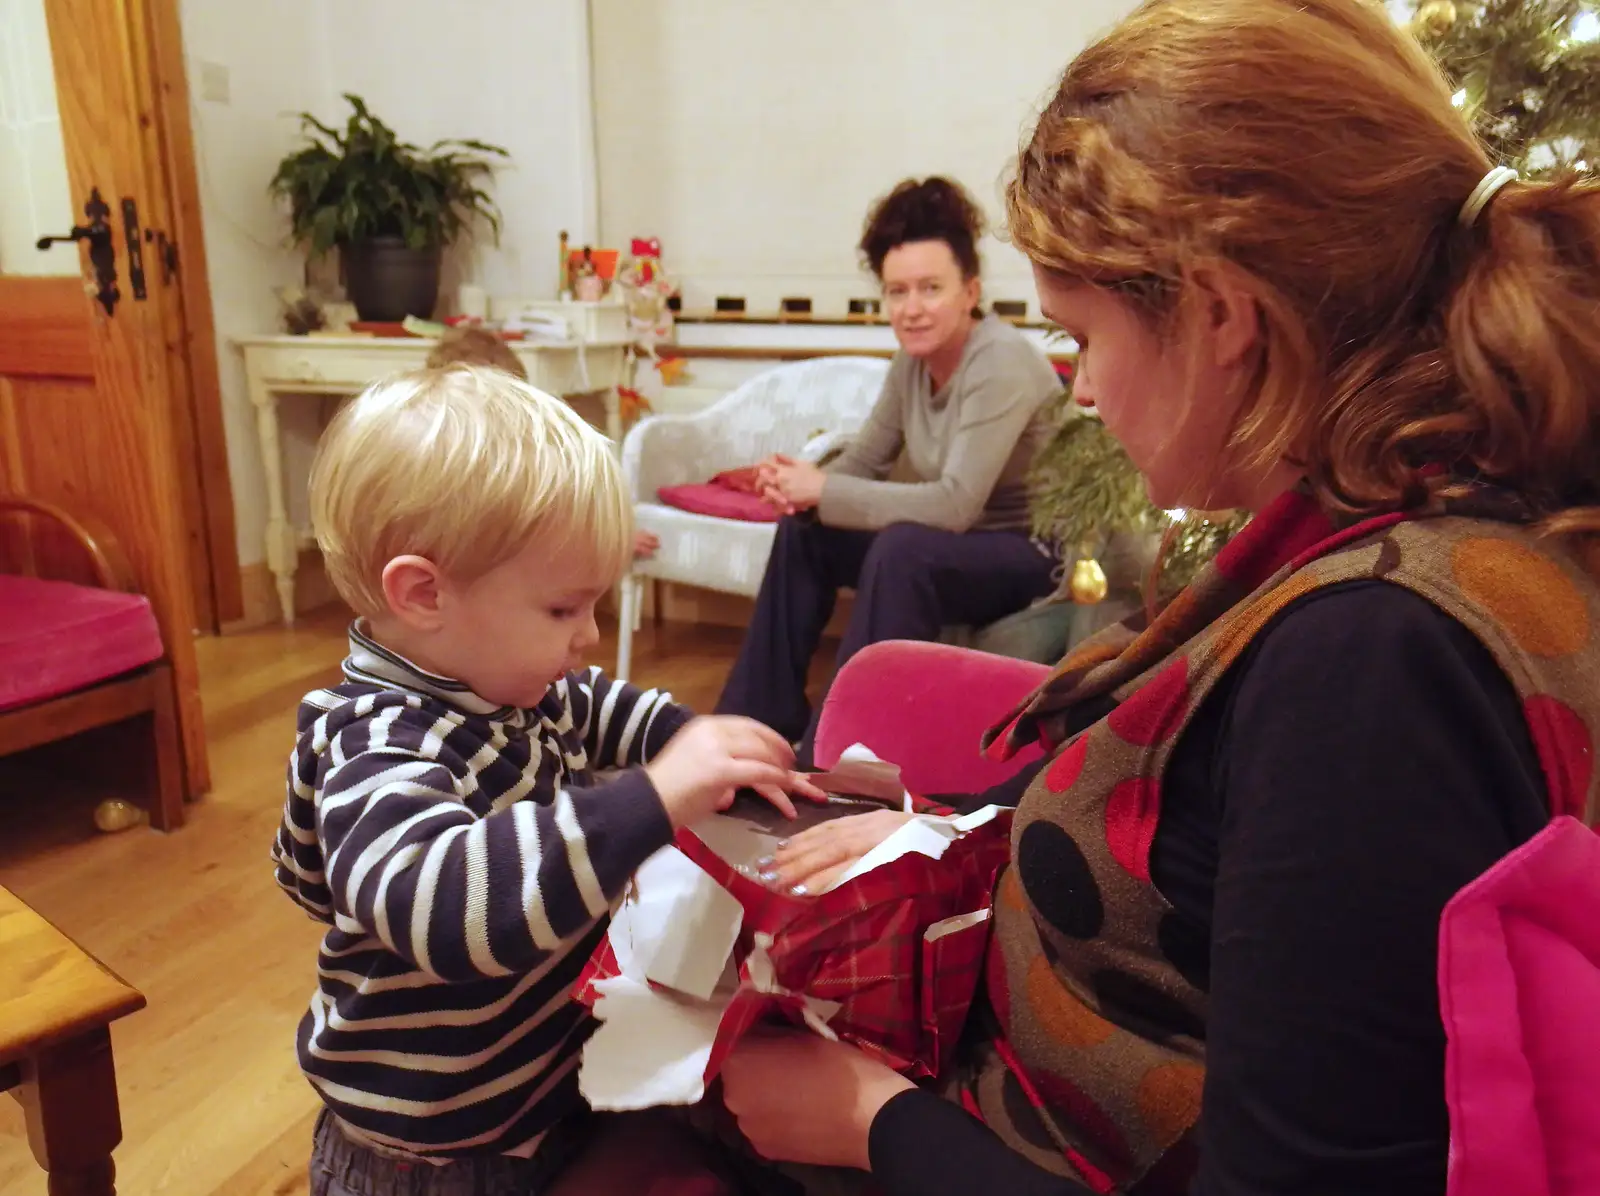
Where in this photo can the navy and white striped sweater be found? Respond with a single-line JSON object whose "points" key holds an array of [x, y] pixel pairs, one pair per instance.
{"points": [[466, 860]]}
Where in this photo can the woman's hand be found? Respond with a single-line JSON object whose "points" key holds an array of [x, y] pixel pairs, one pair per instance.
{"points": [[790, 486], [799, 1098], [814, 859]]}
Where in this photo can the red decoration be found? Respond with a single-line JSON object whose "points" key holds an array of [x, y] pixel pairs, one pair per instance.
{"points": [[631, 404], [646, 257]]}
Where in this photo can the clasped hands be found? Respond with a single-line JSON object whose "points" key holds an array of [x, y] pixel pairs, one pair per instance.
{"points": [[789, 486]]}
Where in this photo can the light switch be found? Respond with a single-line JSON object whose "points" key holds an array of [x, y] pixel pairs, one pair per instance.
{"points": [[215, 83]]}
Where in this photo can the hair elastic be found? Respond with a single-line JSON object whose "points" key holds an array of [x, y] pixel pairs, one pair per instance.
{"points": [[1487, 188]]}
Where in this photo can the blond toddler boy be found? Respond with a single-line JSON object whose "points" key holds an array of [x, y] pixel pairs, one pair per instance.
{"points": [[443, 814]]}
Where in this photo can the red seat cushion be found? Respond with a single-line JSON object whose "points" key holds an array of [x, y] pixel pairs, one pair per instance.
{"points": [[719, 501], [56, 637]]}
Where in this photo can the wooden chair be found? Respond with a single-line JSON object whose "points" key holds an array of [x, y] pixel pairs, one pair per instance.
{"points": [[74, 657]]}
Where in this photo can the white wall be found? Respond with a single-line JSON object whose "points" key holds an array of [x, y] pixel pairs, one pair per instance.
{"points": [[752, 135], [514, 73], [35, 200], [511, 72], [275, 61]]}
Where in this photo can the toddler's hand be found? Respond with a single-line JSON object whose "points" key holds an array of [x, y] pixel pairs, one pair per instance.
{"points": [[699, 770]]}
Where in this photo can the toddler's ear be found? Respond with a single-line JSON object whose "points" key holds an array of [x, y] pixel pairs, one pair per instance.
{"points": [[411, 590]]}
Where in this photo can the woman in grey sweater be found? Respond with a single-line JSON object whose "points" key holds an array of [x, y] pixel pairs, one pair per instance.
{"points": [[961, 407]]}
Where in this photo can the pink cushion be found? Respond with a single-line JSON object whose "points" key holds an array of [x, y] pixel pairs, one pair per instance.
{"points": [[926, 706], [1519, 988], [56, 637], [718, 501]]}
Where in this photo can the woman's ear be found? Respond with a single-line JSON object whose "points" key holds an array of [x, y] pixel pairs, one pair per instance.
{"points": [[1230, 316], [411, 589]]}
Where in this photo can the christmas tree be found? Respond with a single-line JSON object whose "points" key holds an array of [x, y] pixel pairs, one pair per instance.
{"points": [[1086, 493], [1528, 73]]}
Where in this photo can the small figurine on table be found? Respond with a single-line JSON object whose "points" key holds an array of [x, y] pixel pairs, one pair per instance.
{"points": [[647, 290], [587, 285]]}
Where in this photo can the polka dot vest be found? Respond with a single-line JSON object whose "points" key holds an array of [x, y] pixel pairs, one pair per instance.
{"points": [[1098, 988]]}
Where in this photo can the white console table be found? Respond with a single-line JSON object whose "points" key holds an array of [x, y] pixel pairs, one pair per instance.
{"points": [[343, 365]]}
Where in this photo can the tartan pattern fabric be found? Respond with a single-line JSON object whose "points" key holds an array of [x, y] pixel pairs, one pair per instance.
{"points": [[903, 995], [1097, 1068]]}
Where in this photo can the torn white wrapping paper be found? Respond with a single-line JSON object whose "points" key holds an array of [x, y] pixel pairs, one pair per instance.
{"points": [[652, 1047], [683, 935]]}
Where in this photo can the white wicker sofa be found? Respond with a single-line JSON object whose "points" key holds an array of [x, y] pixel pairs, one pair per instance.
{"points": [[798, 408]]}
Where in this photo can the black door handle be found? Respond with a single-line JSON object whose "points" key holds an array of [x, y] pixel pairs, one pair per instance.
{"points": [[102, 249], [78, 233]]}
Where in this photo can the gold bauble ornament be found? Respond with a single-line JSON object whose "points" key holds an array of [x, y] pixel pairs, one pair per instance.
{"points": [[1435, 17], [114, 814], [1088, 585]]}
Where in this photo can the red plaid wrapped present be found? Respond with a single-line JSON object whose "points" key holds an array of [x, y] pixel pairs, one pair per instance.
{"points": [[898, 949]]}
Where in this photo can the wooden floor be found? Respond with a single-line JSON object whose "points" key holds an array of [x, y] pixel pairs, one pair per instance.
{"points": [[212, 1101]]}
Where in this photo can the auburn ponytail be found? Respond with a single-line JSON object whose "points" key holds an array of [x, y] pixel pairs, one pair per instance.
{"points": [[1523, 333]]}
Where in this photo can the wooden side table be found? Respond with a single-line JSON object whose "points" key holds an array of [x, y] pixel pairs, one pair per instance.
{"points": [[57, 1003]]}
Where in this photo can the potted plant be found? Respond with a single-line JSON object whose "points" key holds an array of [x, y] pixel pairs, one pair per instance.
{"points": [[389, 207]]}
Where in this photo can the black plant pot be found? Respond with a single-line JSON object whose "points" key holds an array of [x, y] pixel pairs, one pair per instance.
{"points": [[388, 282]]}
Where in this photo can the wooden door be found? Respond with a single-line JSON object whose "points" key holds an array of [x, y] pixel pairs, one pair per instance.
{"points": [[89, 413]]}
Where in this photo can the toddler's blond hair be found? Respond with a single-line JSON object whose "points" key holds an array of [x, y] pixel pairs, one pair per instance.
{"points": [[462, 465]]}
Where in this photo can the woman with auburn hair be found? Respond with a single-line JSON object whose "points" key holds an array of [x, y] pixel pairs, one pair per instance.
{"points": [[1300, 285]]}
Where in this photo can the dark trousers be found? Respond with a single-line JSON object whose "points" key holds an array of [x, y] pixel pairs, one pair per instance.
{"points": [[341, 1166], [910, 581]]}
